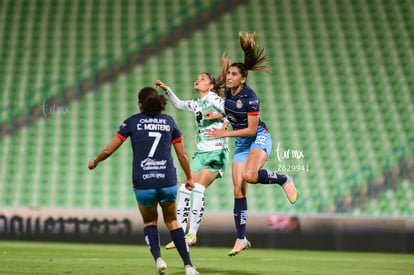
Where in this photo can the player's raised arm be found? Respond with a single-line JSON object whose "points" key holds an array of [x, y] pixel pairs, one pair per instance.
{"points": [[174, 99]]}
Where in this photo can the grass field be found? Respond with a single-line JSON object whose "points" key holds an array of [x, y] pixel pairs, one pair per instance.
{"points": [[65, 258]]}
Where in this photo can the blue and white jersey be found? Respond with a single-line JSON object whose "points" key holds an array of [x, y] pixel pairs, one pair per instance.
{"points": [[151, 139], [240, 106]]}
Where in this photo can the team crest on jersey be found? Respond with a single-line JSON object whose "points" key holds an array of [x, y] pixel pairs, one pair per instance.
{"points": [[239, 104], [192, 105]]}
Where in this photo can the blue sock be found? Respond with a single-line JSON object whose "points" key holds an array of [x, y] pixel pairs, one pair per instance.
{"points": [[269, 177], [152, 238], [240, 217], [178, 238]]}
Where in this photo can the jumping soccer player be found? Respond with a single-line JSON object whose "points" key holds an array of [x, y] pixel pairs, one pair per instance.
{"points": [[210, 158], [253, 143]]}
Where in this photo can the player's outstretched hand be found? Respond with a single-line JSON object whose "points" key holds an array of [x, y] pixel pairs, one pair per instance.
{"points": [[92, 164]]}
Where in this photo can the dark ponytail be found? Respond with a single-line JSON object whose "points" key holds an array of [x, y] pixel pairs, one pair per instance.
{"points": [[152, 103]]}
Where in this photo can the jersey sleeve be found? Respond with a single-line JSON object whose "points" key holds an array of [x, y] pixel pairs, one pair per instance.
{"points": [[216, 101], [186, 105], [253, 106], [176, 135], [124, 131]]}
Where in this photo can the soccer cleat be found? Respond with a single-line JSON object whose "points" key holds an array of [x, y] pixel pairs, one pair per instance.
{"points": [[241, 244], [190, 270], [170, 245], [290, 190], [161, 267], [191, 239]]}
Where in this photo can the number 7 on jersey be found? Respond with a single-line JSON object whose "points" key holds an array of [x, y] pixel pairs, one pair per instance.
{"points": [[154, 146]]}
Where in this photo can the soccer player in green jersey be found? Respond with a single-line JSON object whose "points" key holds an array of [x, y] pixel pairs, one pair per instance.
{"points": [[210, 158]]}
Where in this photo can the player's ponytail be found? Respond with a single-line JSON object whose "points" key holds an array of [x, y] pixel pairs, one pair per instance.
{"points": [[225, 65], [152, 102], [254, 59]]}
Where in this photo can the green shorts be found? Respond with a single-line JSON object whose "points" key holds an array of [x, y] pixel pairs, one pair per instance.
{"points": [[215, 161]]}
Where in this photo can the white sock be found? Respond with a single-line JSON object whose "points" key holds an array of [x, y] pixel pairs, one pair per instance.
{"points": [[183, 206], [198, 208]]}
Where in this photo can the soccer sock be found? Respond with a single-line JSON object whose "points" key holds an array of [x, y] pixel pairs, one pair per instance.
{"points": [[178, 238], [183, 206], [198, 208], [152, 238], [269, 177], [240, 217]]}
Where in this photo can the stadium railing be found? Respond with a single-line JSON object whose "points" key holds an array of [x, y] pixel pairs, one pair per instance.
{"points": [[398, 153], [92, 72], [7, 117], [396, 161], [41, 96]]}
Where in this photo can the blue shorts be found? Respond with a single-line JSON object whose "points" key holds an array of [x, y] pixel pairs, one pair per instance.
{"points": [[262, 140], [149, 197]]}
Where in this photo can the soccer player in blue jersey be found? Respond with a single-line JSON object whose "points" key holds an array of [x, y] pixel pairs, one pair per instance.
{"points": [[253, 143], [210, 158], [154, 174]]}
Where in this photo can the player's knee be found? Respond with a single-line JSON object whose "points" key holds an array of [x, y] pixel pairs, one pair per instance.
{"points": [[150, 223], [250, 176], [172, 224]]}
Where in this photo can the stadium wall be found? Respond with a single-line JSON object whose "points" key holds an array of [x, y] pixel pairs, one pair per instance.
{"points": [[339, 233]]}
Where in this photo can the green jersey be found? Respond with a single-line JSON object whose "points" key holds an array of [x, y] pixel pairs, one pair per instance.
{"points": [[211, 102]]}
